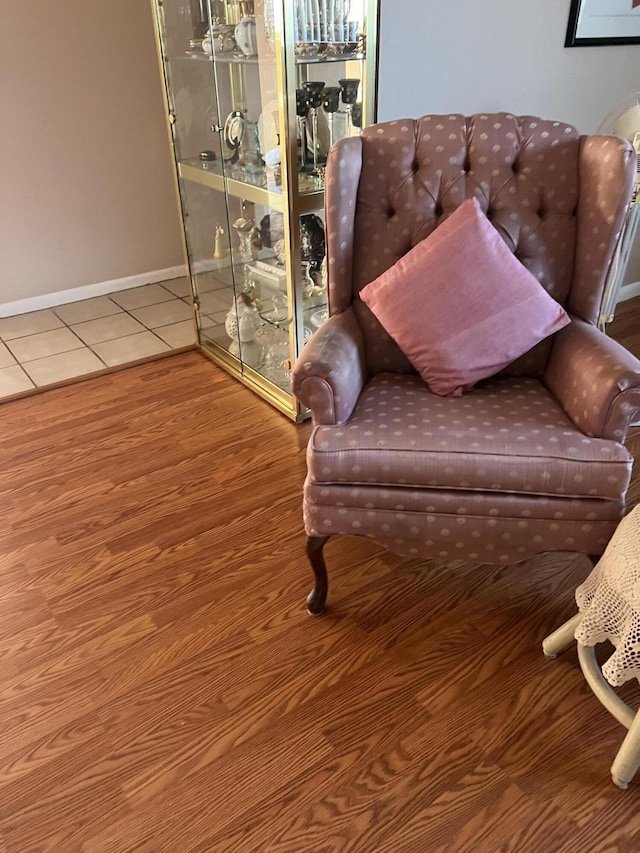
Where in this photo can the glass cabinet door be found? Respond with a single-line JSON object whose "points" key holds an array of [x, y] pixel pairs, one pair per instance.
{"points": [[257, 92]]}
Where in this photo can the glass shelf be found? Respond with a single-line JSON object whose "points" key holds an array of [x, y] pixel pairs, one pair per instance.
{"points": [[210, 174], [321, 60], [237, 59], [201, 56]]}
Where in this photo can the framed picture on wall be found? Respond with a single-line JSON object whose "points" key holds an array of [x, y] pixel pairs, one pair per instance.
{"points": [[598, 22]]}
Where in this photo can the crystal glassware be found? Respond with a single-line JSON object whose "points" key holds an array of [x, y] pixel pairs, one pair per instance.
{"points": [[349, 93], [314, 90], [356, 115], [349, 90], [302, 111], [330, 101]]}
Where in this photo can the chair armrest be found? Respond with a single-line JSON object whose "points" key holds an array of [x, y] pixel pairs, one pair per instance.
{"points": [[595, 379], [330, 372]]}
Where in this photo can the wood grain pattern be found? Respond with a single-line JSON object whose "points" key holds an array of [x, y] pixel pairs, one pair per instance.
{"points": [[163, 689]]}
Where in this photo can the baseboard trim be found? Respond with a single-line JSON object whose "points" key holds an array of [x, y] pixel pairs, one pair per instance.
{"points": [[88, 291], [628, 291]]}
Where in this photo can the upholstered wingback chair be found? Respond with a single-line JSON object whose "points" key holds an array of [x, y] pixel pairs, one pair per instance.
{"points": [[529, 460]]}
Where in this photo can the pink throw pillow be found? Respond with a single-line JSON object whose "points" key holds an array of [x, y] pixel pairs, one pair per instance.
{"points": [[460, 305]]}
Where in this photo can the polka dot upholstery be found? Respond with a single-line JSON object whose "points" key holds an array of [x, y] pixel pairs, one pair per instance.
{"points": [[504, 436], [605, 163], [529, 461], [496, 475], [596, 381], [331, 372], [480, 538]]}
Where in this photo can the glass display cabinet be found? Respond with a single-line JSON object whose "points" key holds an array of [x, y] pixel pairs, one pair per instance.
{"points": [[257, 91]]}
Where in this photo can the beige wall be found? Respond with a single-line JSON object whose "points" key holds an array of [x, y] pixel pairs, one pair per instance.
{"points": [[86, 184], [86, 192]]}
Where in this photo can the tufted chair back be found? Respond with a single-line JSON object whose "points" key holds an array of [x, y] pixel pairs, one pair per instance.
{"points": [[548, 191]]}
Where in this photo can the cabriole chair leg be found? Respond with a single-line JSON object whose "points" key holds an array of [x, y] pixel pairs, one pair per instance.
{"points": [[318, 595]]}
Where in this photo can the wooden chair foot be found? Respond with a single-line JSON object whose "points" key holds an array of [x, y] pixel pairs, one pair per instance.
{"points": [[318, 595]]}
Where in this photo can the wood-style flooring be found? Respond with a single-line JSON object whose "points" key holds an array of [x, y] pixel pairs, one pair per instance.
{"points": [[162, 689]]}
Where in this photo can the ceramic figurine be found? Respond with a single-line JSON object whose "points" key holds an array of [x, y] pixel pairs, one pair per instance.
{"points": [[242, 320], [245, 35], [221, 249]]}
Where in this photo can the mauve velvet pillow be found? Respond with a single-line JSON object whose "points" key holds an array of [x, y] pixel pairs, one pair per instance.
{"points": [[460, 305]]}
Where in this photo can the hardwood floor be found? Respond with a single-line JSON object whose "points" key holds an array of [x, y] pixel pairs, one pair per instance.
{"points": [[162, 688]]}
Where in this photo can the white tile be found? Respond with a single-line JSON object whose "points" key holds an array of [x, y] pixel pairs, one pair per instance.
{"points": [[163, 315], [13, 380], [138, 297], [66, 365], [179, 287], [28, 324], [181, 334], [130, 348], [207, 282], [212, 303], [107, 328], [44, 344], [216, 334], [6, 359], [87, 309]]}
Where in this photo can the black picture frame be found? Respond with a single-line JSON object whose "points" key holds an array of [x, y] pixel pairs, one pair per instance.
{"points": [[573, 38]]}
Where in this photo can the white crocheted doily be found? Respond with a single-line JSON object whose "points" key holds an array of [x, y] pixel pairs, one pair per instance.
{"points": [[609, 601]]}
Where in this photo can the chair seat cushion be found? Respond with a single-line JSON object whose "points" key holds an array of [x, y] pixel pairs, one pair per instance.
{"points": [[507, 435]]}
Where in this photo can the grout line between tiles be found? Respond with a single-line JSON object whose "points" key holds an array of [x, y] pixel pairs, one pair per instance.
{"points": [[98, 356], [51, 354], [90, 347], [55, 309]]}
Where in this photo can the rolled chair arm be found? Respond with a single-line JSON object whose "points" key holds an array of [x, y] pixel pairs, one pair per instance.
{"points": [[595, 379], [330, 372]]}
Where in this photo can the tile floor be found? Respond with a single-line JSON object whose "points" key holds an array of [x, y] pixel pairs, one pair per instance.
{"points": [[69, 341]]}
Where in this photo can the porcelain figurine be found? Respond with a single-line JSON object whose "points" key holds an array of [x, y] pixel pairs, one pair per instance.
{"points": [[245, 34], [242, 320], [221, 249]]}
